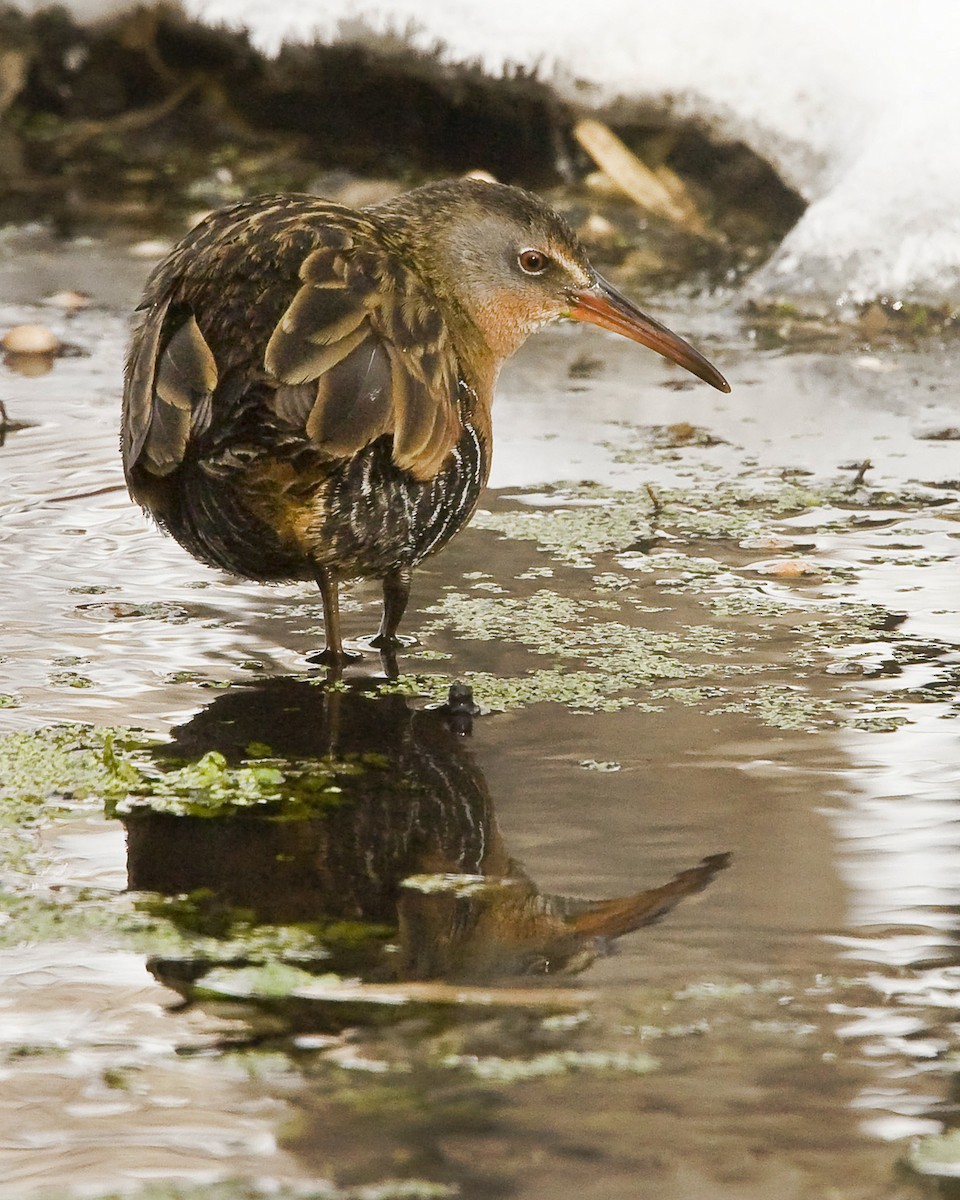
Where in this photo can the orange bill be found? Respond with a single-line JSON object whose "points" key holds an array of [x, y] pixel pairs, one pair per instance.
{"points": [[603, 305]]}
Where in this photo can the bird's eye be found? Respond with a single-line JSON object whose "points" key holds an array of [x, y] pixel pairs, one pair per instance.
{"points": [[533, 262]]}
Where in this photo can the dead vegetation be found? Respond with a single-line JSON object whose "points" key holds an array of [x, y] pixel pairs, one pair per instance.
{"points": [[148, 116]]}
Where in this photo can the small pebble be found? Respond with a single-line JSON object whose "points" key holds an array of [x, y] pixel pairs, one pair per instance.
{"points": [[151, 248], [786, 568], [30, 339], [70, 301], [599, 230]]}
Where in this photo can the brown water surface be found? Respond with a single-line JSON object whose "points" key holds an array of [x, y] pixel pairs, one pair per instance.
{"points": [[696, 633]]}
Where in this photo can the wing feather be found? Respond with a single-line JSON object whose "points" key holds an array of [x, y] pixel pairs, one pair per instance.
{"points": [[372, 336], [310, 317], [414, 414], [168, 394], [138, 384], [321, 326], [353, 402]]}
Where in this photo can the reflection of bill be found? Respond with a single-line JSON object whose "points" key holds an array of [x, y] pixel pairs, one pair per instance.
{"points": [[411, 847], [467, 927]]}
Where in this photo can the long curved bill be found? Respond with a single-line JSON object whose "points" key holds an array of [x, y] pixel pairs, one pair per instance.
{"points": [[603, 305]]}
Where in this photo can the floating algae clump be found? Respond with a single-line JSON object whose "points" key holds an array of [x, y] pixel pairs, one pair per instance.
{"points": [[113, 766], [211, 787], [559, 1062], [67, 761], [593, 645], [601, 660]]}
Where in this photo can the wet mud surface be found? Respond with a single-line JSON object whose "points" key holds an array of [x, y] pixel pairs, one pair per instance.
{"points": [[678, 918]]}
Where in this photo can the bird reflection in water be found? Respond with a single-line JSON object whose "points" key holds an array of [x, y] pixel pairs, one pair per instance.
{"points": [[411, 850]]}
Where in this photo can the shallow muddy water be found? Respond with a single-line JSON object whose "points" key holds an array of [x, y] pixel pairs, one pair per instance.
{"points": [[717, 663]]}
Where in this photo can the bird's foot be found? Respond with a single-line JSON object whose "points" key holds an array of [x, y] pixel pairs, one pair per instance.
{"points": [[396, 641], [331, 658]]}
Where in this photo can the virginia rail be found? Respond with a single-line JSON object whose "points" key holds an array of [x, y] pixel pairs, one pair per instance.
{"points": [[308, 392]]}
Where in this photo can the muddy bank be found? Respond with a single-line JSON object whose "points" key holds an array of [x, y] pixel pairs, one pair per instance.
{"points": [[149, 116]]}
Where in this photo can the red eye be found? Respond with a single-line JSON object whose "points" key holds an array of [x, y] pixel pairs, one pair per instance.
{"points": [[533, 262]]}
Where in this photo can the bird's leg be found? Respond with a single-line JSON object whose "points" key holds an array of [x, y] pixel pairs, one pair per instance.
{"points": [[389, 664], [333, 653], [396, 593]]}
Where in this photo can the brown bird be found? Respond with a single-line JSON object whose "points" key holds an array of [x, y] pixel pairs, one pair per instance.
{"points": [[308, 392]]}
